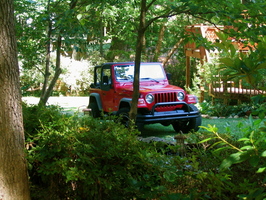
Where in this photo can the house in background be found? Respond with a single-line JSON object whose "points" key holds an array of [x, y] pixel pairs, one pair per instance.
{"points": [[221, 88]]}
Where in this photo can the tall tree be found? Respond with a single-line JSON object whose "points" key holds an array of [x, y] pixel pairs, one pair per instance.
{"points": [[50, 26], [55, 30], [143, 25], [13, 167], [238, 15], [139, 48]]}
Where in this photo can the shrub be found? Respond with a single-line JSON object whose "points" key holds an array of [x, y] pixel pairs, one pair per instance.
{"points": [[81, 158], [220, 109], [245, 160], [35, 117], [73, 157], [256, 107]]}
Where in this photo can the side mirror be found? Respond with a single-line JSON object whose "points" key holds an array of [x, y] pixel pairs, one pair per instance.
{"points": [[169, 76]]}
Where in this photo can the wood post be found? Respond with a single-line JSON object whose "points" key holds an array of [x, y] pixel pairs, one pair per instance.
{"points": [[188, 66]]}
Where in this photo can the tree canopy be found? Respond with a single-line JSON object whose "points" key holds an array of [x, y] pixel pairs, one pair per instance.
{"points": [[78, 28]]}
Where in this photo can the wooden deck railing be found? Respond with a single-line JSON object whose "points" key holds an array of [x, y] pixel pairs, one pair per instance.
{"points": [[230, 90]]}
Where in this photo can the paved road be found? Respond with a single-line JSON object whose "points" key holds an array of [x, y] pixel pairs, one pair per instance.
{"points": [[65, 102]]}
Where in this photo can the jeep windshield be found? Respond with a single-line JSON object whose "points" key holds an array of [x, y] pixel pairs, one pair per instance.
{"points": [[150, 72]]}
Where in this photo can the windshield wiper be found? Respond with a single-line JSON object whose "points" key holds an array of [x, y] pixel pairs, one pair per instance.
{"points": [[152, 79]]}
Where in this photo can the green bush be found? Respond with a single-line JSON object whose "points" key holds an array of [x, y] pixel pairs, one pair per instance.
{"points": [[218, 109], [35, 117], [177, 72], [81, 158], [244, 160], [72, 157]]}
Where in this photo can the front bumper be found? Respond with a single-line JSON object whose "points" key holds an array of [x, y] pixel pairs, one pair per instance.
{"points": [[160, 117]]}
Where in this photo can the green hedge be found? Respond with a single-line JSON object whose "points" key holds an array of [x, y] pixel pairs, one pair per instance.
{"points": [[73, 157]]}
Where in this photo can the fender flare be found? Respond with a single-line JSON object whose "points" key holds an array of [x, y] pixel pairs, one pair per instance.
{"points": [[98, 100], [125, 101]]}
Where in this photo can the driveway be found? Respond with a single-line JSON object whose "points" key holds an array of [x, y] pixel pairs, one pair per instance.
{"points": [[65, 102]]}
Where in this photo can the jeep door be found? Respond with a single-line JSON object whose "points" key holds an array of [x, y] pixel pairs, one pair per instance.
{"points": [[107, 93]]}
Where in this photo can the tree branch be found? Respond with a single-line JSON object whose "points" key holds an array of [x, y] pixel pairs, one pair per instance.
{"points": [[167, 14], [39, 70], [150, 4]]}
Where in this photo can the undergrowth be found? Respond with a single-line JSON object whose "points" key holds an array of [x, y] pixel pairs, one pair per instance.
{"points": [[73, 157]]}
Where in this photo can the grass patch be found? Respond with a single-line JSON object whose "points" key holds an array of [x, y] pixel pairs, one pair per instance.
{"points": [[167, 132]]}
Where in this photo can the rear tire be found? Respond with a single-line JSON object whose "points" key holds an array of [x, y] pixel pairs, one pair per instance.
{"points": [[94, 110], [188, 125]]}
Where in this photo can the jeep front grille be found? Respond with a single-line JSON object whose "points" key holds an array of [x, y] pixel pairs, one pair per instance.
{"points": [[165, 97]]}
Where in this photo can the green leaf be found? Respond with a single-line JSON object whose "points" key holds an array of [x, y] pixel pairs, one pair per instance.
{"points": [[233, 159], [232, 50], [262, 65], [257, 122], [260, 170], [79, 16], [254, 160], [206, 140], [263, 129], [227, 61], [263, 154], [169, 176], [210, 128], [247, 148], [221, 149], [216, 143], [243, 139], [261, 115], [88, 7]]}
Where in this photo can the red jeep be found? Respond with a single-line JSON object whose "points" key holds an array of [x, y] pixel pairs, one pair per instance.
{"points": [[159, 102]]}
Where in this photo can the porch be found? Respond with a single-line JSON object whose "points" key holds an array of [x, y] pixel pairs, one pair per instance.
{"points": [[221, 88]]}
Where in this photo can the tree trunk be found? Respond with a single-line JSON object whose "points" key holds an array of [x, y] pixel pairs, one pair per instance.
{"points": [[57, 73], [101, 35], [47, 60], [172, 51], [48, 87], [159, 43], [139, 47], [13, 166]]}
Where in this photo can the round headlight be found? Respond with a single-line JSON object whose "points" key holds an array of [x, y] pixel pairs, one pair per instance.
{"points": [[180, 96], [149, 98]]}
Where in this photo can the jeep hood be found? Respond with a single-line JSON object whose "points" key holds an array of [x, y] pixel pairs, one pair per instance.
{"points": [[153, 88]]}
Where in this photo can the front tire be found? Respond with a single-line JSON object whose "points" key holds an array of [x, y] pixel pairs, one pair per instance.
{"points": [[123, 116], [188, 125], [124, 119]]}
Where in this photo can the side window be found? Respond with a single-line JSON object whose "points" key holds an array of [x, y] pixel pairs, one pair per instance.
{"points": [[97, 77], [106, 78]]}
